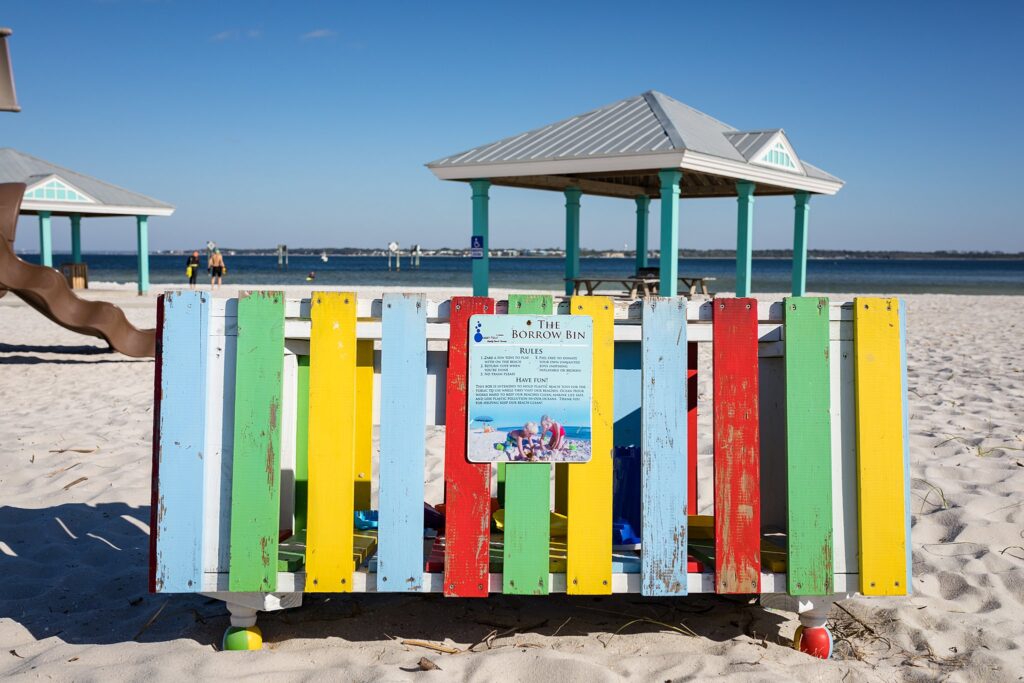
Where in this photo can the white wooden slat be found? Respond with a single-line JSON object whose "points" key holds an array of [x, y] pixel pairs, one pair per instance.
{"points": [[366, 582], [220, 408], [844, 459]]}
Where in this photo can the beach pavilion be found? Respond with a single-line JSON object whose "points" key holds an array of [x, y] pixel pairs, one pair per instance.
{"points": [[641, 148], [56, 191]]}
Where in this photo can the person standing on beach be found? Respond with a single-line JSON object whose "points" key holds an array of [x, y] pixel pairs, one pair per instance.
{"points": [[217, 269], [192, 269]]}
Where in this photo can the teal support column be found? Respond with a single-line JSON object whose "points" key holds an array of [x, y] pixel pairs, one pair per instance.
{"points": [[481, 225], [744, 236], [45, 240], [76, 238], [669, 265], [800, 242], [142, 231], [643, 204], [572, 237]]}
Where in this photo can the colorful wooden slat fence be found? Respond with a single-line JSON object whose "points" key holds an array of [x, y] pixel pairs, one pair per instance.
{"points": [[154, 494], [301, 444], [403, 380], [364, 424], [881, 450], [527, 499], [809, 446], [182, 425], [332, 442], [737, 447], [692, 359], [261, 408], [467, 485], [256, 464], [665, 450], [589, 485]]}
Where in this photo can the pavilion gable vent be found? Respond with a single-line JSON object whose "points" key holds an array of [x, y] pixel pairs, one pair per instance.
{"points": [[778, 154], [54, 189]]}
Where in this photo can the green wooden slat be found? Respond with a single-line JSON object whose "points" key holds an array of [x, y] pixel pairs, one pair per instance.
{"points": [[809, 446], [527, 499], [302, 444], [256, 461]]}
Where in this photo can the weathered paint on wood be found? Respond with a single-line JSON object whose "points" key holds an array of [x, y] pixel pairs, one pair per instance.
{"points": [[665, 453], [737, 460], [301, 444], [179, 549], [692, 362], [220, 434], [154, 496], [332, 441], [403, 398], [589, 485], [527, 499], [844, 456], [467, 485], [881, 494], [809, 446], [364, 423], [256, 465]]}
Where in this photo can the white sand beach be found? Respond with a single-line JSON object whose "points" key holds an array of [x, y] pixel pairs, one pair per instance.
{"points": [[75, 455]]}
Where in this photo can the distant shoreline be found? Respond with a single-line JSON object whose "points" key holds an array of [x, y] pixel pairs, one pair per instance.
{"points": [[653, 257]]}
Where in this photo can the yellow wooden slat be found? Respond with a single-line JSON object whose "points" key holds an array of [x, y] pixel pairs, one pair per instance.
{"points": [[332, 442], [589, 485], [364, 423], [880, 476]]}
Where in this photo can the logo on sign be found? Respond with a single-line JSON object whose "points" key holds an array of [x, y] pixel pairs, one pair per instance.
{"points": [[476, 246]]}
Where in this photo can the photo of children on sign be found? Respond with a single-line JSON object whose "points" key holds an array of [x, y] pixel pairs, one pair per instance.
{"points": [[529, 388]]}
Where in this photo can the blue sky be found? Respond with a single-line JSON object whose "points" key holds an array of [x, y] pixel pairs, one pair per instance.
{"points": [[310, 122]]}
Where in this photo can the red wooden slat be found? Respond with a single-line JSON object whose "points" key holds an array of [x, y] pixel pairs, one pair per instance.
{"points": [[154, 500], [737, 452], [467, 485], [691, 414]]}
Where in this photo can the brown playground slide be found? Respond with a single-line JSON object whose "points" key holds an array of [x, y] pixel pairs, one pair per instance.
{"points": [[46, 290]]}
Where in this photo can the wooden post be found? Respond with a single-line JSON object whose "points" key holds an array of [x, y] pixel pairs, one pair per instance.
{"points": [[76, 238], [142, 248], [744, 236], [481, 227], [572, 237], [669, 269], [45, 240], [800, 216], [643, 205]]}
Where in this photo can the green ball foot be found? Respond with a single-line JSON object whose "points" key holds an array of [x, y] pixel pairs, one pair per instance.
{"points": [[242, 638]]}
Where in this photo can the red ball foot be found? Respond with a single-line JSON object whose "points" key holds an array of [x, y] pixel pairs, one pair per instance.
{"points": [[816, 642]]}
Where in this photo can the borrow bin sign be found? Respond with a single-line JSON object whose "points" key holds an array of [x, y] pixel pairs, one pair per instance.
{"points": [[530, 387]]}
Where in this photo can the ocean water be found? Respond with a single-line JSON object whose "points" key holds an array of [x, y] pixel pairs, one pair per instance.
{"points": [[890, 276]]}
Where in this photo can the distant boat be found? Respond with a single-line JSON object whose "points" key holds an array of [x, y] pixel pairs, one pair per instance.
{"points": [[323, 256]]}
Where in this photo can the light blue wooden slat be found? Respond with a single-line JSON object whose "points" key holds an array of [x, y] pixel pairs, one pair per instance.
{"points": [[663, 458], [403, 397], [179, 540]]}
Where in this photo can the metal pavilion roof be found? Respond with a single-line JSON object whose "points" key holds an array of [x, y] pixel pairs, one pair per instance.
{"points": [[617, 150], [62, 191]]}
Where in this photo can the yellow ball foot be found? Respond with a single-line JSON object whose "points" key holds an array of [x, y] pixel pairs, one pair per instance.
{"points": [[242, 638]]}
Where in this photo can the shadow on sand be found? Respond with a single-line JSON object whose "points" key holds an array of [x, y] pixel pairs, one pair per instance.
{"points": [[79, 572]]}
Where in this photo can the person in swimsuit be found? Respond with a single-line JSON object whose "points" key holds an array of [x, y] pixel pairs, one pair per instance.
{"points": [[557, 432], [521, 441], [192, 269], [217, 269]]}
